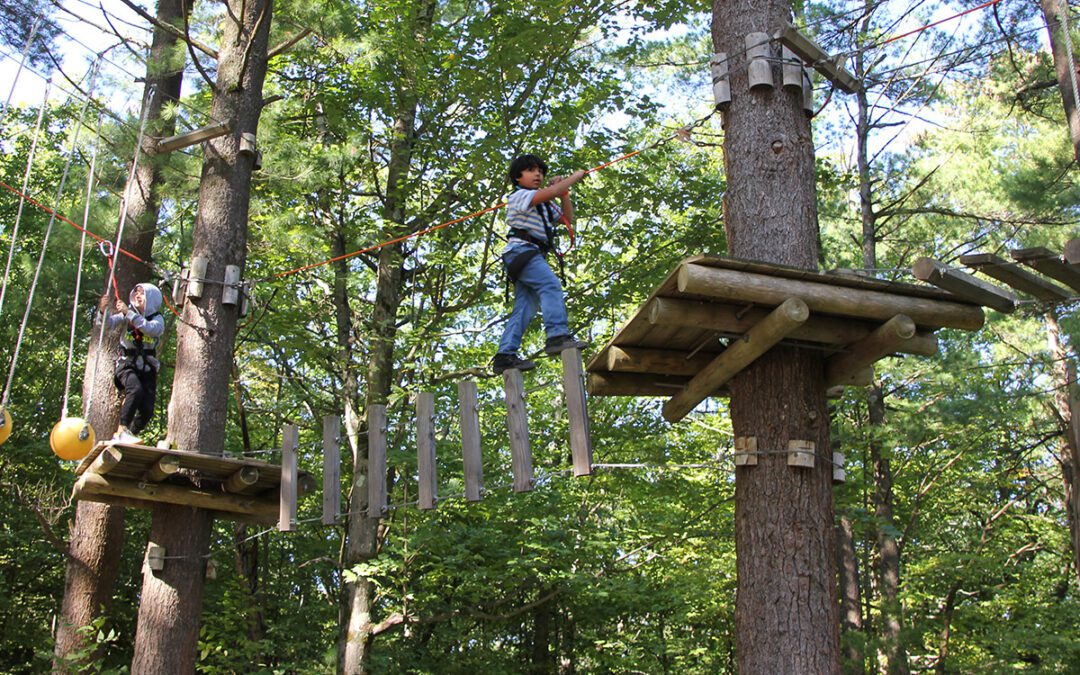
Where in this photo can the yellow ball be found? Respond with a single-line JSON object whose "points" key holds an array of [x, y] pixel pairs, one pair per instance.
{"points": [[72, 438], [5, 426]]}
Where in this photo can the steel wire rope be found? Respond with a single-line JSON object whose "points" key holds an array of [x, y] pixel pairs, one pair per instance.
{"points": [[22, 62], [78, 274], [128, 187], [22, 193], [45, 243]]}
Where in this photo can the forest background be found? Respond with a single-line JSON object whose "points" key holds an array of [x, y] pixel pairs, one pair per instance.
{"points": [[954, 507]]}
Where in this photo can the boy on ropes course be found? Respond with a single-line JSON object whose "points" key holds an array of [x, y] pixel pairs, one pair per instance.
{"points": [[532, 217], [135, 372]]}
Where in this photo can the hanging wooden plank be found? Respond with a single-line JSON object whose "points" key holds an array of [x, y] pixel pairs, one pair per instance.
{"points": [[331, 446], [425, 449], [517, 423], [1049, 263], [290, 441], [376, 463], [740, 354], [1015, 276], [162, 469], [1072, 252], [471, 452], [733, 320], [737, 285], [840, 369], [577, 413], [243, 479], [963, 284]]}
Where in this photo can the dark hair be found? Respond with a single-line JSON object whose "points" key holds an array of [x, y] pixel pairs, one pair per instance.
{"points": [[523, 163]]}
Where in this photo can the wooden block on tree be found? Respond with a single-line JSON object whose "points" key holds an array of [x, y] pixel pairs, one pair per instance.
{"points": [[577, 413], [517, 423], [1049, 263], [331, 444], [425, 450], [746, 451], [842, 368], [1015, 276], [838, 473], [376, 460], [1072, 252], [741, 353], [155, 557], [471, 451], [290, 441], [964, 285], [801, 453]]}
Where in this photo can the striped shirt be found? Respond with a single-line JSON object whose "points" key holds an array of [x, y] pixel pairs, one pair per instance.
{"points": [[522, 215]]}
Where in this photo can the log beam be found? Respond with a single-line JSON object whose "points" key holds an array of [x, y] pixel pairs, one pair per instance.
{"points": [[166, 466], [663, 361], [95, 487], [964, 285], [242, 479], [192, 137], [1049, 263], [737, 320], [741, 353], [106, 460], [1015, 276], [734, 285], [635, 384], [843, 368]]}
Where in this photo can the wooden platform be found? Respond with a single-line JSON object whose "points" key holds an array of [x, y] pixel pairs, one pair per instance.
{"points": [[702, 316], [139, 475]]}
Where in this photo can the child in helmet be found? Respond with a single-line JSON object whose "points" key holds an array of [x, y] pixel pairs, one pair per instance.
{"points": [[135, 372]]}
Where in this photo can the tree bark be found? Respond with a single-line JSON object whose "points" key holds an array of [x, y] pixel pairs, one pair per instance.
{"points": [[97, 533], [1065, 400], [168, 623], [363, 531], [787, 614], [850, 602], [1064, 67]]}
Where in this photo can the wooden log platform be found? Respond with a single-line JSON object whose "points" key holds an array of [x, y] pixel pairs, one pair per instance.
{"points": [[131, 475], [709, 304]]}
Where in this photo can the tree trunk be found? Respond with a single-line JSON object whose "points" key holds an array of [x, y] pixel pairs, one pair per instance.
{"points": [[850, 605], [168, 624], [787, 613], [542, 659], [97, 533], [1068, 454], [1064, 67]]}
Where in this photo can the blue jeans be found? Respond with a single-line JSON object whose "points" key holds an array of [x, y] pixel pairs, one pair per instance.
{"points": [[536, 287]]}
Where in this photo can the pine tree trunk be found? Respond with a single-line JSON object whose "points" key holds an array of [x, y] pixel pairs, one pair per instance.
{"points": [[171, 599], [787, 613], [97, 534], [850, 602], [363, 532], [1064, 67], [1065, 401]]}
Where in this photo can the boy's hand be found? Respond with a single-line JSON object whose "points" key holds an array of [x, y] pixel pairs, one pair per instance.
{"points": [[121, 307]]}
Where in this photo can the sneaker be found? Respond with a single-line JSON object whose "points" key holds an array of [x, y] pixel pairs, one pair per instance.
{"points": [[560, 343], [122, 435], [503, 362]]}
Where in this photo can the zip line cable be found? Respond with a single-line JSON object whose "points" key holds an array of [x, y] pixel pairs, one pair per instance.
{"points": [[1067, 36], [22, 193], [78, 276], [45, 244], [22, 62]]}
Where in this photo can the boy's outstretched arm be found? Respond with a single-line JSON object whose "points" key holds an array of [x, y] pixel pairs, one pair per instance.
{"points": [[559, 188]]}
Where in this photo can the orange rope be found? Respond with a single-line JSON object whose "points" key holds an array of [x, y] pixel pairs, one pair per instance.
{"points": [[936, 23], [70, 222]]}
